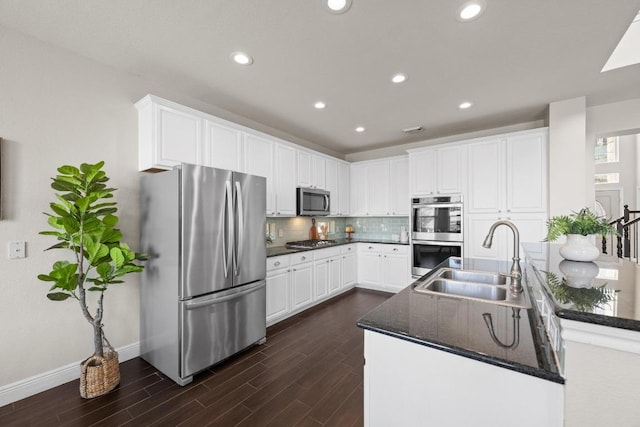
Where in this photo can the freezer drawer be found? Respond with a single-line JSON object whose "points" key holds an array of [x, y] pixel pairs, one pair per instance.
{"points": [[216, 326]]}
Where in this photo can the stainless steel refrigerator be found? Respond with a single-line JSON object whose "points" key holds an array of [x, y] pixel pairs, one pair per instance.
{"points": [[203, 289]]}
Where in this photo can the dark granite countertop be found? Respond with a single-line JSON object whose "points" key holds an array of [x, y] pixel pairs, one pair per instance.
{"points": [[283, 250], [603, 292], [456, 325]]}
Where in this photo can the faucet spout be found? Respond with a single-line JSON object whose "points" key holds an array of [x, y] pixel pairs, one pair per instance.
{"points": [[516, 272]]}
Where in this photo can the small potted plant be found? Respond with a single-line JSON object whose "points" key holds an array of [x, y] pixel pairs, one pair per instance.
{"points": [[84, 223], [578, 227]]}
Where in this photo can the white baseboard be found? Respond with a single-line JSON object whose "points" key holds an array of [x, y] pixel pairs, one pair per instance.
{"points": [[41, 382]]}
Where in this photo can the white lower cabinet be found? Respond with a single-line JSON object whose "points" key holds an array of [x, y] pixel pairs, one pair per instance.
{"points": [[383, 267], [297, 281], [406, 384], [301, 281]]}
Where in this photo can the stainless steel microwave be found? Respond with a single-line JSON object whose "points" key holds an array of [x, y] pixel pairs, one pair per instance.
{"points": [[313, 202]]}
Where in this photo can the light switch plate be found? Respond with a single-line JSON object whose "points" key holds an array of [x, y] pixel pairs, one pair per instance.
{"points": [[17, 250]]}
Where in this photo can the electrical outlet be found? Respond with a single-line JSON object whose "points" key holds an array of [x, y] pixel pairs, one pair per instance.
{"points": [[17, 250], [280, 232]]}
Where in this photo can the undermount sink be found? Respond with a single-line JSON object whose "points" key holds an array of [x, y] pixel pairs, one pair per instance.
{"points": [[471, 284], [472, 290], [474, 276]]}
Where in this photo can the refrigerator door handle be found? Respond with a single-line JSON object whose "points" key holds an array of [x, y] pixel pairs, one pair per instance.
{"points": [[240, 213], [228, 223], [192, 305]]}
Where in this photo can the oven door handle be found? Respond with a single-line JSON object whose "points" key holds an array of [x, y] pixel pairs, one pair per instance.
{"points": [[439, 205], [436, 243]]}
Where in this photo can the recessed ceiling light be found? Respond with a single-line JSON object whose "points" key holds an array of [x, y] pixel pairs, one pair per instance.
{"points": [[399, 78], [360, 129], [465, 105], [319, 105], [337, 6], [242, 58], [471, 10]]}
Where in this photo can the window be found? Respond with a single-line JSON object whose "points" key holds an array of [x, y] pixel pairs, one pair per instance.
{"points": [[607, 178], [606, 150]]}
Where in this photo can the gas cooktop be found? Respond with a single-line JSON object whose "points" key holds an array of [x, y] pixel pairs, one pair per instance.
{"points": [[310, 244]]}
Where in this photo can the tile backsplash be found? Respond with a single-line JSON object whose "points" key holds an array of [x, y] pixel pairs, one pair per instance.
{"points": [[283, 230]]}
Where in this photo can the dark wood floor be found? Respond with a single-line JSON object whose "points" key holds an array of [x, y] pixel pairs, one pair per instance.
{"points": [[309, 373]]}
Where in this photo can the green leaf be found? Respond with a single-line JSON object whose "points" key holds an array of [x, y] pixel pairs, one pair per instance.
{"points": [[104, 270], [117, 257], [58, 296], [46, 278], [97, 289], [68, 170], [59, 209], [110, 220]]}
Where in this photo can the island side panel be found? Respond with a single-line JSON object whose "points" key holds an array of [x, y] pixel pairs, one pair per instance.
{"points": [[410, 384]]}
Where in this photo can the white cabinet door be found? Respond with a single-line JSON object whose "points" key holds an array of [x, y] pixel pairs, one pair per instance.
{"points": [[527, 173], [335, 275], [358, 190], [301, 286], [303, 169], [223, 146], [378, 188], [344, 189], [332, 185], [485, 177], [422, 166], [167, 135], [320, 279], [349, 270], [397, 269], [317, 171], [258, 160], [285, 187], [450, 170], [277, 294], [370, 268], [399, 197]]}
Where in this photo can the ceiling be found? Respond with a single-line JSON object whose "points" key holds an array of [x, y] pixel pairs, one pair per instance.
{"points": [[511, 62]]}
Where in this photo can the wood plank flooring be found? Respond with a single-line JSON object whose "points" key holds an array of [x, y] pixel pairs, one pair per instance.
{"points": [[309, 373]]}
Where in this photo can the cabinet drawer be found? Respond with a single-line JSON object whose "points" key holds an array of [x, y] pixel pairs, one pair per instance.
{"points": [[326, 253], [369, 247], [395, 249], [348, 249], [301, 257], [277, 262]]}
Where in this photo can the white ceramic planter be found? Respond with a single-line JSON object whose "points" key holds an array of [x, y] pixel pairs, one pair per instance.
{"points": [[579, 248]]}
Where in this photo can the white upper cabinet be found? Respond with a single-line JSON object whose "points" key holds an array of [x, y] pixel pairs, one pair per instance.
{"points": [[311, 170], [437, 170], [318, 173], [223, 146], [332, 186], [358, 189], [284, 180], [258, 160], [380, 188], [399, 196], [344, 188], [508, 174], [168, 134]]}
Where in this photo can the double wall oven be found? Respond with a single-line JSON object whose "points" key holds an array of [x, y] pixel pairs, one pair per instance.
{"points": [[436, 231]]}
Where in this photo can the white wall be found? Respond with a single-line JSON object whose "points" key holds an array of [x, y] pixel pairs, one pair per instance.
{"points": [[55, 109]]}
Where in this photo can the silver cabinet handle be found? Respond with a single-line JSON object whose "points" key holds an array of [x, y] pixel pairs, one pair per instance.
{"points": [[395, 249], [303, 258], [277, 263], [370, 247]]}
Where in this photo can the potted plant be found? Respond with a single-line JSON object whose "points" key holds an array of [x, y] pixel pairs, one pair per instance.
{"points": [[84, 223], [578, 227]]}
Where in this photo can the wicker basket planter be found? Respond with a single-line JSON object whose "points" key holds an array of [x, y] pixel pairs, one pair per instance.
{"points": [[99, 375]]}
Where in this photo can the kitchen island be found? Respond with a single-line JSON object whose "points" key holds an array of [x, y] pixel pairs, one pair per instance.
{"points": [[432, 358], [577, 362]]}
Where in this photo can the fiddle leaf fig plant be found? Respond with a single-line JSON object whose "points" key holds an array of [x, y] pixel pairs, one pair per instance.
{"points": [[84, 223], [584, 222]]}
